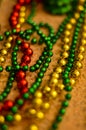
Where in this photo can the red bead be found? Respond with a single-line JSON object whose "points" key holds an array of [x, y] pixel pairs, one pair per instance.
{"points": [[8, 104], [21, 1], [14, 23], [13, 18], [22, 83], [17, 7], [20, 75], [24, 46], [1, 107], [26, 59], [15, 13], [22, 64], [24, 90], [27, 1], [28, 52]]}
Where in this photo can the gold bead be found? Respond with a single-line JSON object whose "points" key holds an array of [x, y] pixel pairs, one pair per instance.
{"points": [[58, 70], [53, 93], [82, 49], [63, 62], [66, 47], [47, 89], [72, 81], [22, 14], [38, 101], [23, 8], [76, 15], [84, 34], [69, 26], [2, 119], [61, 86], [78, 64], [4, 52], [33, 127], [84, 27], [18, 26], [21, 20], [17, 117], [53, 82], [77, 73], [55, 75], [80, 7], [8, 45], [32, 111], [40, 115], [65, 54], [66, 40], [80, 56], [2, 59], [67, 33], [38, 94], [73, 21], [10, 39], [46, 105], [83, 41]]}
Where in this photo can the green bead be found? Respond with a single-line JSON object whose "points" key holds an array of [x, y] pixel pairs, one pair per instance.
{"points": [[14, 54], [13, 31], [54, 126], [4, 127], [41, 74], [34, 40], [1, 68], [18, 42], [50, 53], [68, 88], [27, 37], [68, 96], [7, 90], [4, 94], [25, 68], [65, 104], [32, 90], [20, 102], [39, 62], [62, 111], [1, 38], [16, 48], [1, 97], [14, 109], [46, 65], [32, 68], [17, 67], [7, 33], [43, 69], [25, 95], [8, 68], [59, 118], [39, 80], [9, 118], [37, 66], [66, 81]]}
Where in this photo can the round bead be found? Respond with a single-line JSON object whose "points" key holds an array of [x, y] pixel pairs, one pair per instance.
{"points": [[38, 101], [78, 64], [66, 47], [53, 82], [2, 59], [17, 117], [38, 94], [80, 56], [2, 119], [77, 73], [21, 20], [58, 70], [65, 54], [4, 52], [72, 81], [46, 105], [23, 8], [8, 45], [33, 127], [61, 86], [55, 75], [69, 26], [32, 111], [40, 115], [53, 93]]}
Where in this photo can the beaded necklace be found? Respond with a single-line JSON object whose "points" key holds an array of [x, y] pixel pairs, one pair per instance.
{"points": [[45, 64]]}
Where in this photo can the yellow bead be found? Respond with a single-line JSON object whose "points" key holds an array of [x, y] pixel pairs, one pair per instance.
{"points": [[4, 52], [72, 20], [53, 93], [83, 41], [84, 34], [17, 117], [53, 82], [77, 73], [8, 45], [38, 94], [18, 26], [10, 39], [33, 127], [66, 47], [65, 54], [58, 70], [67, 33], [76, 15], [69, 26], [72, 81], [66, 40], [80, 7], [61, 86], [38, 101], [46, 105], [2, 59], [84, 27], [40, 115], [2, 119], [23, 8], [32, 111], [80, 56], [47, 89], [82, 49], [63, 62], [78, 64], [22, 14], [55, 75], [21, 20]]}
